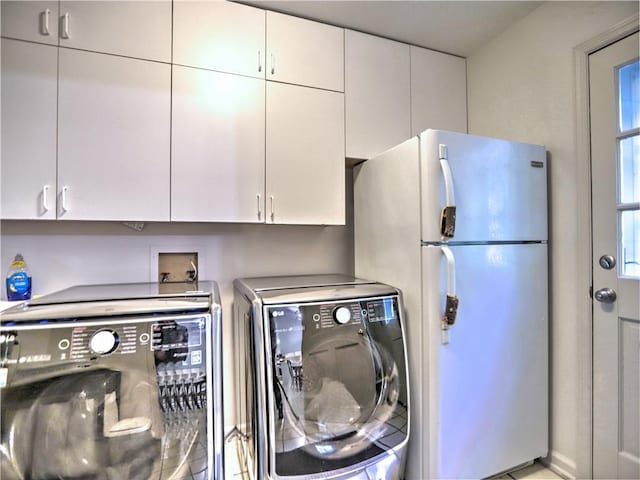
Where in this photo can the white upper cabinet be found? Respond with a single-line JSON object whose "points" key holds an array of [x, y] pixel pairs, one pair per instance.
{"points": [[29, 99], [139, 29], [303, 52], [224, 36], [32, 21], [218, 147], [305, 177], [113, 138], [377, 94], [438, 91]]}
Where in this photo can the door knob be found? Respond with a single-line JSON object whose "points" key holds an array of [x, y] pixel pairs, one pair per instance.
{"points": [[605, 295]]}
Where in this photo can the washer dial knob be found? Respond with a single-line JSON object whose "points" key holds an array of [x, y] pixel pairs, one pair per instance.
{"points": [[103, 342], [342, 315]]}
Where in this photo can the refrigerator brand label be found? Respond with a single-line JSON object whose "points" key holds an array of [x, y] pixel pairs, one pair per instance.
{"points": [[537, 164]]}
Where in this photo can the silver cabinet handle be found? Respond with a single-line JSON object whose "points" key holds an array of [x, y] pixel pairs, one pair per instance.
{"points": [[44, 22], [272, 207], [63, 197], [259, 61], [258, 196], [605, 295], [45, 194], [273, 64], [65, 26]]}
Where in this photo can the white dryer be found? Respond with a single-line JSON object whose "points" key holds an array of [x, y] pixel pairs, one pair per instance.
{"points": [[321, 378]]}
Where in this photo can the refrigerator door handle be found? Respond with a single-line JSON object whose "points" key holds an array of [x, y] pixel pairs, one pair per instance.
{"points": [[451, 306], [448, 216]]}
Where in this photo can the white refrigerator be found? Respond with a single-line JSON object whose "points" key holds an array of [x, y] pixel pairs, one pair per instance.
{"points": [[459, 223]]}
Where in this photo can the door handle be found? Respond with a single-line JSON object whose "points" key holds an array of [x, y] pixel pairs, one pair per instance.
{"points": [[605, 295], [65, 26], [63, 197], [45, 195], [44, 21], [448, 215], [451, 305], [273, 210]]}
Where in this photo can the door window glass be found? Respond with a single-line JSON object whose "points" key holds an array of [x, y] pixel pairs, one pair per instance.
{"points": [[629, 168], [629, 93], [630, 233]]}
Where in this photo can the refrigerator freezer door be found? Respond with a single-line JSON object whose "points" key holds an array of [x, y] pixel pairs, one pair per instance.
{"points": [[487, 389], [500, 188]]}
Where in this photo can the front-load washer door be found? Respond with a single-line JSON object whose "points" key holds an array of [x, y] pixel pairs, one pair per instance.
{"points": [[123, 398], [339, 384]]}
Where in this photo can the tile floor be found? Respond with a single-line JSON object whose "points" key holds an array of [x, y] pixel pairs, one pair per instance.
{"points": [[536, 471]]}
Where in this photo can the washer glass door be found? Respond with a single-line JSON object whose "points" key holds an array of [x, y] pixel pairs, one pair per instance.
{"points": [[339, 393]]}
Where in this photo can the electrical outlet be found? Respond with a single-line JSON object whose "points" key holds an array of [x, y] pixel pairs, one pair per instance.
{"points": [[177, 267]]}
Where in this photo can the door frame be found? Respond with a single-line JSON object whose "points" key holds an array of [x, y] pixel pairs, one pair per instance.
{"points": [[584, 454]]}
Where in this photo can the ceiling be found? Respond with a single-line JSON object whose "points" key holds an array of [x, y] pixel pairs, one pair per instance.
{"points": [[456, 27]]}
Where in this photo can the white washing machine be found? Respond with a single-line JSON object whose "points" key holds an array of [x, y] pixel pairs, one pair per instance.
{"points": [[321, 378]]}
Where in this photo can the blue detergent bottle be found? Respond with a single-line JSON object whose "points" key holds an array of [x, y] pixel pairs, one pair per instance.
{"points": [[18, 280]]}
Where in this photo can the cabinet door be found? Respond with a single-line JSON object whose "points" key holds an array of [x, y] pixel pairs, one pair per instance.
{"points": [[377, 94], [438, 91], [217, 147], [305, 155], [222, 36], [132, 29], [304, 52], [113, 138], [35, 21], [29, 99]]}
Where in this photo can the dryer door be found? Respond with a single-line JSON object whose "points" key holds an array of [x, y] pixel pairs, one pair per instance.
{"points": [[339, 393]]}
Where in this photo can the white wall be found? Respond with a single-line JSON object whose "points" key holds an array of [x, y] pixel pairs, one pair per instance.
{"points": [[522, 86], [62, 254]]}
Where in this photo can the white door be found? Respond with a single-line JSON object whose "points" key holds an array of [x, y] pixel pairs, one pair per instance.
{"points": [[223, 36], [377, 94], [217, 145], [438, 91], [35, 21], [488, 373], [615, 148], [305, 179], [499, 188], [29, 103], [131, 29], [113, 138], [304, 52]]}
